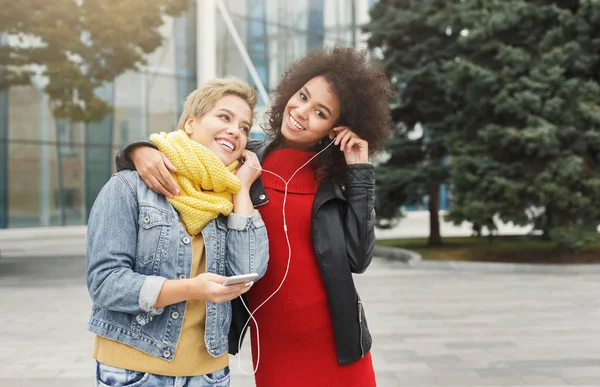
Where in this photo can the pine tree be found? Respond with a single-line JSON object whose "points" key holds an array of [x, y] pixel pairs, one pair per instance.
{"points": [[78, 46], [414, 45], [527, 144]]}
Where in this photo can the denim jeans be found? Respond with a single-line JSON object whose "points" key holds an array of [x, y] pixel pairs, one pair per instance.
{"points": [[108, 376]]}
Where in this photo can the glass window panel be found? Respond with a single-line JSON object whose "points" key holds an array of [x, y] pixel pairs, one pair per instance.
{"points": [[163, 103]]}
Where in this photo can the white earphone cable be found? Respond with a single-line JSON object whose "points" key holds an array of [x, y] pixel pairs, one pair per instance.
{"points": [[287, 238]]}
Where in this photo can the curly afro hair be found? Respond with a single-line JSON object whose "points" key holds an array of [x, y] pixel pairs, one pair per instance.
{"points": [[362, 89]]}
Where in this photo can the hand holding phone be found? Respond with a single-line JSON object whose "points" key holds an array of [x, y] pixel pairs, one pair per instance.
{"points": [[238, 279]]}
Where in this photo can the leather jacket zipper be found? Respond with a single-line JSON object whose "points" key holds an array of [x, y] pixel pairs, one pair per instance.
{"points": [[360, 329], [261, 204]]}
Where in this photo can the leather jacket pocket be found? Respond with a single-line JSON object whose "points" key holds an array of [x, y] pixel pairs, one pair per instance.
{"points": [[365, 339]]}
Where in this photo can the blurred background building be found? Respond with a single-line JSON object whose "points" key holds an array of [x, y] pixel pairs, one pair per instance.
{"points": [[52, 170]]}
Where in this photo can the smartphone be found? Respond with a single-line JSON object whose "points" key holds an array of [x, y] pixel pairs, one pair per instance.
{"points": [[238, 279]]}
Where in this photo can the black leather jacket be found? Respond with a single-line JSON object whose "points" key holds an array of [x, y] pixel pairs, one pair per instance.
{"points": [[343, 230]]}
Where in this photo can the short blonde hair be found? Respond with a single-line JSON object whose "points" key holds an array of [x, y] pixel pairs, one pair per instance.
{"points": [[201, 100]]}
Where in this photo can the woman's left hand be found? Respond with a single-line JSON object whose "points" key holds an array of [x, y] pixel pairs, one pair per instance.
{"points": [[356, 150]]}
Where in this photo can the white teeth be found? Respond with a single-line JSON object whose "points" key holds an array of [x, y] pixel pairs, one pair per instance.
{"points": [[295, 123], [226, 143]]}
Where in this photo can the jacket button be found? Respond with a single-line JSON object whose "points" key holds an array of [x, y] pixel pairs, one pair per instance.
{"points": [[146, 219], [262, 196], [167, 353], [175, 315], [186, 240], [182, 276]]}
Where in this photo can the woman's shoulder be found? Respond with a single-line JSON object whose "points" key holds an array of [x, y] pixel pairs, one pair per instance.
{"points": [[130, 177], [137, 186], [256, 146]]}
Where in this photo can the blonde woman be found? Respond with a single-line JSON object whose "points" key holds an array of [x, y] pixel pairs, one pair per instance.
{"points": [[156, 265]]}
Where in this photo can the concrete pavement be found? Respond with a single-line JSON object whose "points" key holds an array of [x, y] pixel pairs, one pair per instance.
{"points": [[70, 240], [430, 328]]}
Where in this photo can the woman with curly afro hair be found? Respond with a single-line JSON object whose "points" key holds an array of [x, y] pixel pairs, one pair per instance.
{"points": [[316, 194]]}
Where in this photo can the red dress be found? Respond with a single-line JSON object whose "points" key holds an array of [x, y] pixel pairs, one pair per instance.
{"points": [[297, 346]]}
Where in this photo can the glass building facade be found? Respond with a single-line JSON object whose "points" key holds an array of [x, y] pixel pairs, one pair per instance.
{"points": [[51, 170], [277, 32]]}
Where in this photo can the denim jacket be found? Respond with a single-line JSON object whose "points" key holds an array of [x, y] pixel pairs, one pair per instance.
{"points": [[135, 242]]}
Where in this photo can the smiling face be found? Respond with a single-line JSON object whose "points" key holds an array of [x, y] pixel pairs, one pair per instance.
{"points": [[223, 129], [310, 114]]}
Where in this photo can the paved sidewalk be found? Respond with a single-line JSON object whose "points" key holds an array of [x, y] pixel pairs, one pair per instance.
{"points": [[70, 240], [430, 328]]}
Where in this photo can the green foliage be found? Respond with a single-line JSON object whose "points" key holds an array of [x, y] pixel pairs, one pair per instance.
{"points": [[510, 90], [574, 238], [527, 149], [505, 248], [78, 46], [413, 49]]}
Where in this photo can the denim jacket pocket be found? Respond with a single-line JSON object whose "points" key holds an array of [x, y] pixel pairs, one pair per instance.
{"points": [[153, 234]]}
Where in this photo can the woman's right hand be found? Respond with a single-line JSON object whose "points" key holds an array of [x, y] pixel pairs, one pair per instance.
{"points": [[203, 287], [208, 287], [153, 167]]}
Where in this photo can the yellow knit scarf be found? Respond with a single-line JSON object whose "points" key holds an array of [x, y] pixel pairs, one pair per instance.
{"points": [[206, 185]]}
